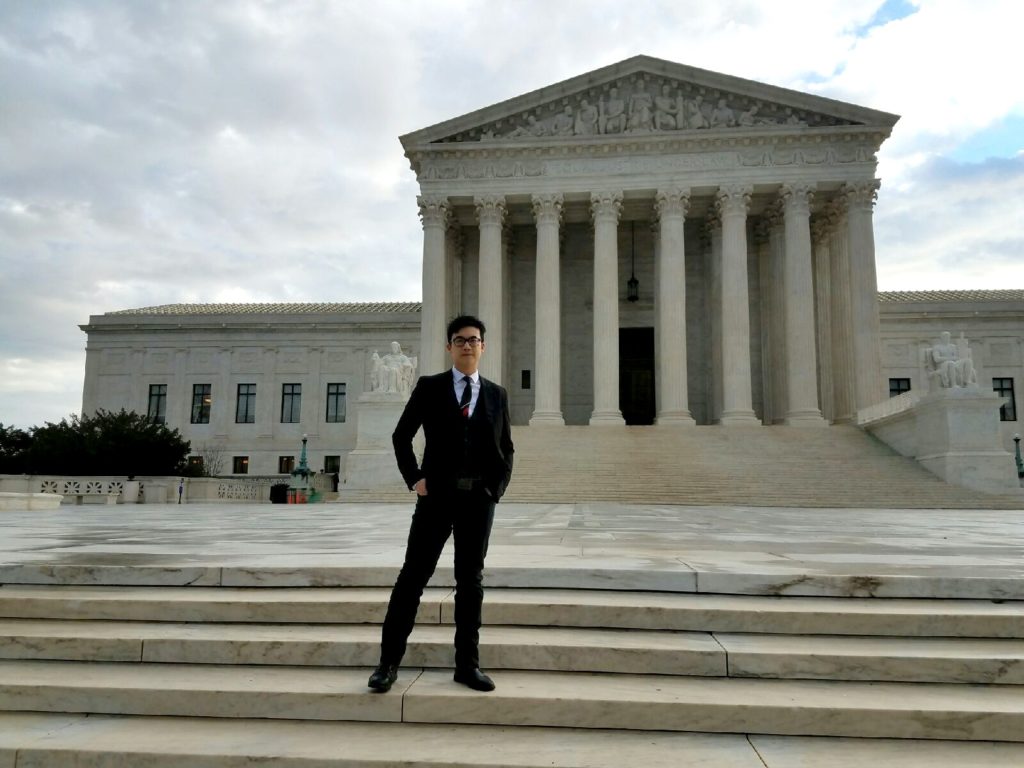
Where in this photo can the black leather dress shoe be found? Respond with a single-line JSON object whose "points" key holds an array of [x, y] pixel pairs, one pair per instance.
{"points": [[383, 677], [474, 678]]}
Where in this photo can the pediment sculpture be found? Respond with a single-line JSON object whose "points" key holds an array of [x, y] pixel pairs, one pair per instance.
{"points": [[642, 105], [949, 364], [394, 373]]}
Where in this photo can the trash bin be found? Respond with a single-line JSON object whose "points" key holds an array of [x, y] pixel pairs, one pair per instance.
{"points": [[130, 493]]}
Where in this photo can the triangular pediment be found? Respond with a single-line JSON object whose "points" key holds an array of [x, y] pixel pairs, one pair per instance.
{"points": [[644, 95]]}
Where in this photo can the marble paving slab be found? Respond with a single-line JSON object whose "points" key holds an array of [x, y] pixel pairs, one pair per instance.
{"points": [[159, 742], [932, 553]]}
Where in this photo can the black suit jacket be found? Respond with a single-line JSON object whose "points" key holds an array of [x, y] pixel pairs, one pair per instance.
{"points": [[433, 406]]}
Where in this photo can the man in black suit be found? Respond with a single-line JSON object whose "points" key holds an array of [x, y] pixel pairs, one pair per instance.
{"points": [[467, 463]]}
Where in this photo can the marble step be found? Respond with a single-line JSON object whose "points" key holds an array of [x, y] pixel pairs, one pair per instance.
{"points": [[502, 647], [728, 705], [578, 574], [903, 617], [553, 699], [102, 741], [562, 649]]}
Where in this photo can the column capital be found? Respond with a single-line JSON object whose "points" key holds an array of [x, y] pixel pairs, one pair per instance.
{"points": [[490, 209], [861, 194], [547, 207], [606, 205], [672, 201], [434, 210], [733, 199], [796, 198]]}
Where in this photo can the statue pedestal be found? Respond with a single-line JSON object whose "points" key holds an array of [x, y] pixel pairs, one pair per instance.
{"points": [[958, 439], [371, 464]]}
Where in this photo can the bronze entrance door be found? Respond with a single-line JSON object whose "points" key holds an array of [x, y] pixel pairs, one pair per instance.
{"points": [[636, 375]]}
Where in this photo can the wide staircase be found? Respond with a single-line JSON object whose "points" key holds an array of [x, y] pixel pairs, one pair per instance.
{"points": [[221, 676], [838, 466]]}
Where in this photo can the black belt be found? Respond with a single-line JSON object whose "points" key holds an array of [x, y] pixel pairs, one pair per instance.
{"points": [[468, 483]]}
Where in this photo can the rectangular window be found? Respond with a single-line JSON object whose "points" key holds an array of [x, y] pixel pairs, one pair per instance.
{"points": [[245, 410], [195, 465], [291, 403], [1004, 388], [201, 401], [898, 386], [157, 403], [335, 403], [240, 465], [285, 465], [332, 464], [525, 380]]}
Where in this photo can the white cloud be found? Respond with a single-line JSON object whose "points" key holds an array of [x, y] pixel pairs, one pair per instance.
{"points": [[248, 150]]}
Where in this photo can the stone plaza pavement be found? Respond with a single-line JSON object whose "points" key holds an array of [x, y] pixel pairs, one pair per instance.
{"points": [[735, 550], [753, 681]]}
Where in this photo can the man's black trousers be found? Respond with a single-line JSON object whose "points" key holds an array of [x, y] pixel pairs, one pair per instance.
{"points": [[469, 515]]}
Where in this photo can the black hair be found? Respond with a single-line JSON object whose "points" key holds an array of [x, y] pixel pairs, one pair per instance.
{"points": [[465, 321]]}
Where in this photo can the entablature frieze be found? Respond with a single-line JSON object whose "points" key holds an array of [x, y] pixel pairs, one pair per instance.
{"points": [[467, 174]]}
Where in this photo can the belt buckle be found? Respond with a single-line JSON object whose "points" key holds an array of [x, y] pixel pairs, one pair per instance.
{"points": [[465, 483]]}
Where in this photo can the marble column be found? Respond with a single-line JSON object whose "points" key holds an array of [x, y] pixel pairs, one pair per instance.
{"points": [[713, 238], [490, 213], [842, 321], [453, 264], [673, 401], [606, 207], [762, 234], [734, 318], [434, 213], [820, 238], [777, 321], [547, 395], [869, 387], [801, 359]]}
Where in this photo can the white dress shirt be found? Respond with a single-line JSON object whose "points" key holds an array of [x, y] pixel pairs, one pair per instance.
{"points": [[460, 385]]}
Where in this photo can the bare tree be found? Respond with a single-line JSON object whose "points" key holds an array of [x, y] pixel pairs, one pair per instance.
{"points": [[212, 458]]}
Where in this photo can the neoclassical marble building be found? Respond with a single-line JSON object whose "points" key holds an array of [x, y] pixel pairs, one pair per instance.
{"points": [[742, 211], [647, 243]]}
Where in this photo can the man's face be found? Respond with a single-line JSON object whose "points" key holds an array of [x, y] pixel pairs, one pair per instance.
{"points": [[466, 358]]}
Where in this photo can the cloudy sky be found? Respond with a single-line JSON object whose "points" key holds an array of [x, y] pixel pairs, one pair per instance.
{"points": [[155, 151]]}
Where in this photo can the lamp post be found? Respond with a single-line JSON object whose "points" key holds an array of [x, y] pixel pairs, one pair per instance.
{"points": [[1016, 456]]}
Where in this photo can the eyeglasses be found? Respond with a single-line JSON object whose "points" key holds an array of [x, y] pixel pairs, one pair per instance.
{"points": [[473, 341]]}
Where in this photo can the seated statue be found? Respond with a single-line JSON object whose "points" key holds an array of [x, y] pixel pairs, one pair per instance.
{"points": [[613, 113], [948, 365], [394, 373]]}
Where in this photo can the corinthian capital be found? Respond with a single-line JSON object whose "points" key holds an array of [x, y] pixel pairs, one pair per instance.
{"points": [[672, 202], [547, 208], [490, 209], [861, 194], [796, 198], [434, 210], [606, 205], [733, 199]]}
